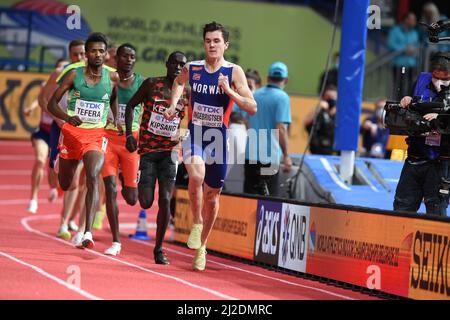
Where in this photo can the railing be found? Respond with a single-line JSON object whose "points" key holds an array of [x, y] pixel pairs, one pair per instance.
{"points": [[23, 62], [379, 77]]}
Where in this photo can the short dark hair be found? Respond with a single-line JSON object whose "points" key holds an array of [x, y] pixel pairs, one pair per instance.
{"points": [[214, 26], [125, 45], [330, 87], [59, 61], [440, 61], [96, 37], [174, 53], [253, 74], [75, 43]]}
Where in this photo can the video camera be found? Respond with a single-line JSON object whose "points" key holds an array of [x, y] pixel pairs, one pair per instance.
{"points": [[409, 121], [435, 28]]}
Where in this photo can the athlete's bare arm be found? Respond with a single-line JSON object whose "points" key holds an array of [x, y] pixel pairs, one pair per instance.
{"points": [[177, 91], [113, 100], [47, 91], [241, 93], [53, 105], [137, 98]]}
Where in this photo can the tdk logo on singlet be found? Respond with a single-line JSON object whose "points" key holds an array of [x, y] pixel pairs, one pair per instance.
{"points": [[208, 109], [207, 89], [90, 105]]}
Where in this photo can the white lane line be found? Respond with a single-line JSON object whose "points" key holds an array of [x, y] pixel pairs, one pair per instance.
{"points": [[52, 277], [17, 172], [333, 175], [23, 143], [21, 187], [26, 201], [18, 157], [25, 224], [252, 272], [43, 201]]}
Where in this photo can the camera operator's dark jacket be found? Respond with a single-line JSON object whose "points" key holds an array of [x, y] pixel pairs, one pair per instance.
{"points": [[417, 149]]}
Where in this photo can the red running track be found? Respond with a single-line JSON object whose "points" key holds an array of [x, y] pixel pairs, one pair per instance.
{"points": [[37, 265]]}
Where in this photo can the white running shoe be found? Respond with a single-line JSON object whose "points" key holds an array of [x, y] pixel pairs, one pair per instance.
{"points": [[33, 206], [77, 239], [73, 226], [87, 241], [53, 195], [114, 250]]}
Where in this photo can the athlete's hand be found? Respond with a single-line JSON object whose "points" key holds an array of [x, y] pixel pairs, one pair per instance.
{"points": [[131, 143], [405, 101], [170, 113], [184, 133], [119, 127], [223, 83], [74, 121]]}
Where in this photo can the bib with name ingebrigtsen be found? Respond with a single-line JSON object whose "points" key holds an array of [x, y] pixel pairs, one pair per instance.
{"points": [[210, 106]]}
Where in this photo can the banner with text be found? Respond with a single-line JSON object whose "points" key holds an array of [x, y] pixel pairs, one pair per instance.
{"points": [[234, 230], [367, 250], [18, 90]]}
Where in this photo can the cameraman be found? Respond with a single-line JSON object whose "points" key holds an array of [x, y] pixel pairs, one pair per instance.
{"points": [[428, 156]]}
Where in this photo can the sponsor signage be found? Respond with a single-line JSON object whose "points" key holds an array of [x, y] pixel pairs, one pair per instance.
{"points": [[18, 90], [294, 233], [367, 250], [430, 264], [234, 230], [268, 223]]}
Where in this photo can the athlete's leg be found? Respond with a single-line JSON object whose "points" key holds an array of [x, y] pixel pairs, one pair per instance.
{"points": [[129, 163], [69, 203], [210, 210], [41, 153], [67, 170], [195, 167], [112, 210], [165, 193], [100, 211], [93, 163], [147, 180], [53, 183], [79, 207]]}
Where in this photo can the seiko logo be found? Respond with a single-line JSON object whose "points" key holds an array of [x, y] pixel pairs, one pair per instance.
{"points": [[430, 268]]}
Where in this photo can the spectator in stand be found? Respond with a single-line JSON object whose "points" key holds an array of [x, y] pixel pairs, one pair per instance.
{"points": [[374, 136], [238, 124], [323, 136], [269, 131], [332, 78], [404, 40]]}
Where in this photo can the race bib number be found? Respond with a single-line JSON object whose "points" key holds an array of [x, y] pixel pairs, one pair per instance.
{"points": [[122, 108], [160, 126], [207, 116], [89, 111], [433, 139]]}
